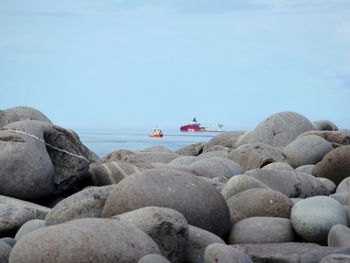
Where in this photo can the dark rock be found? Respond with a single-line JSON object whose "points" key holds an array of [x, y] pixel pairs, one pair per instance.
{"points": [[9, 241], [5, 251], [198, 201]]}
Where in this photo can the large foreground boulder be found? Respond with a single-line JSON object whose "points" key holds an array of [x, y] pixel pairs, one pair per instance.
{"points": [[84, 240], [280, 129], [39, 159], [198, 201]]}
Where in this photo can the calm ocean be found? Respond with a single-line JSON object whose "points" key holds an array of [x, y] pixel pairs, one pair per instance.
{"points": [[105, 142]]}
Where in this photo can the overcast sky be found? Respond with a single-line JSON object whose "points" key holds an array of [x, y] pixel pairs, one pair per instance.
{"points": [[141, 63]]}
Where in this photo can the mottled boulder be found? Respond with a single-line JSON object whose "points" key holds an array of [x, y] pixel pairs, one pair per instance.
{"points": [[86, 203], [336, 138], [307, 168], [262, 230], [280, 129], [312, 218], [215, 167], [261, 202], [226, 139], [325, 125], [278, 166], [110, 173], [336, 258], [289, 252], [198, 240], [12, 218], [221, 253], [198, 201], [240, 183], [167, 227], [339, 236], [29, 226], [39, 211], [34, 167], [21, 113], [153, 258], [5, 251], [283, 181], [251, 156], [307, 150], [191, 150], [84, 240], [344, 186], [335, 165]]}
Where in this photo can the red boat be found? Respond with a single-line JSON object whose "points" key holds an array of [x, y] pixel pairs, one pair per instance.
{"points": [[157, 133], [193, 126]]}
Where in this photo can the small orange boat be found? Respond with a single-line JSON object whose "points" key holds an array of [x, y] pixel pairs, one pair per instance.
{"points": [[157, 133]]}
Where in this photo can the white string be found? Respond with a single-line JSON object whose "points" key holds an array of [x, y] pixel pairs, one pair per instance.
{"points": [[49, 145]]}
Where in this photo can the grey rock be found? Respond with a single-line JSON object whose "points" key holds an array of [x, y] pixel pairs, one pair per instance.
{"points": [[21, 113], [262, 230], [110, 173], [307, 168], [198, 201], [191, 150], [226, 139], [86, 203], [153, 258], [157, 148], [220, 253], [9, 241], [84, 240], [219, 153], [218, 148], [215, 167], [310, 186], [283, 181], [12, 218], [29, 226], [344, 186], [343, 198], [339, 236], [240, 183], [325, 125], [336, 258], [198, 240], [307, 150], [183, 161], [335, 165], [29, 169], [251, 156], [328, 184], [312, 218], [261, 202], [278, 166], [4, 120], [5, 251], [336, 138], [280, 129], [39, 211], [167, 227], [289, 252]]}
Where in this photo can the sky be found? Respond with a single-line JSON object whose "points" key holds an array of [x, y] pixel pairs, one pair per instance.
{"points": [[141, 63]]}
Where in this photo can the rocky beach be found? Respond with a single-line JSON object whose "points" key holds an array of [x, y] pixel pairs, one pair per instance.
{"points": [[278, 193]]}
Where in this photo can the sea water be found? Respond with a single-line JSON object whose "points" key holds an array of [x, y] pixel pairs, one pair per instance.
{"points": [[103, 142]]}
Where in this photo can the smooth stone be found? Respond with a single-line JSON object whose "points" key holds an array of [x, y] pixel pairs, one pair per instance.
{"points": [[30, 169], [39, 211], [335, 165], [153, 258], [310, 185], [86, 203], [198, 240], [221, 253], [312, 218], [201, 204], [21, 113], [12, 218], [110, 173], [336, 258], [262, 230], [336, 138], [9, 241], [5, 251], [261, 202], [157, 148], [240, 183], [344, 186], [290, 252], [328, 184], [307, 150], [226, 139], [183, 161], [217, 182], [277, 166], [325, 125], [29, 226], [307, 168], [280, 129], [84, 240], [191, 150], [283, 181], [167, 227], [219, 153], [215, 167], [217, 148], [339, 236], [251, 156], [343, 198]]}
